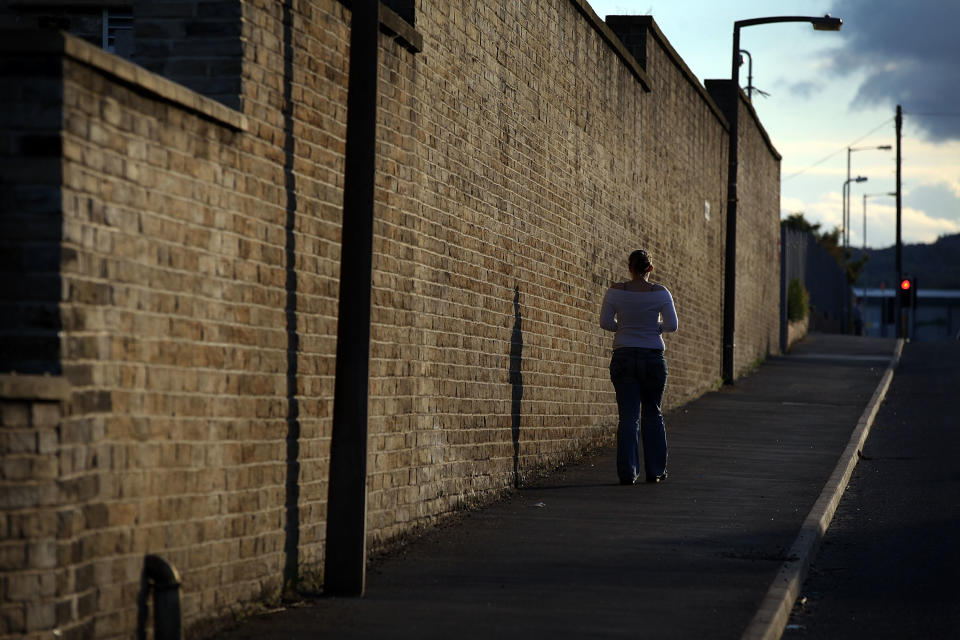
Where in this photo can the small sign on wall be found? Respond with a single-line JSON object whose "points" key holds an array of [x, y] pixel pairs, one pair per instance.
{"points": [[706, 210]]}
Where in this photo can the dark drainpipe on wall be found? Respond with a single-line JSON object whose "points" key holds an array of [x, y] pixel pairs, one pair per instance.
{"points": [[163, 580], [345, 552]]}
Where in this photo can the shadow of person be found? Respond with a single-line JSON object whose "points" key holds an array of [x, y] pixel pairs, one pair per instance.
{"points": [[516, 383]]}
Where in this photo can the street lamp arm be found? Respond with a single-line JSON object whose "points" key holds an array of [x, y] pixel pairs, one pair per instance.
{"points": [[819, 22], [883, 147]]}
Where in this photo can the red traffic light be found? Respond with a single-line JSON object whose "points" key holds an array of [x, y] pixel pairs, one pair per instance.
{"points": [[905, 284]]}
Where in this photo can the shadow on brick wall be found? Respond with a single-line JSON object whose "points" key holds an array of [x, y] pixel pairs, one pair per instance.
{"points": [[516, 382], [292, 490]]}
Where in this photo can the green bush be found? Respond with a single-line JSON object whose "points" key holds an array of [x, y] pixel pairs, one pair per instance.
{"points": [[798, 301]]}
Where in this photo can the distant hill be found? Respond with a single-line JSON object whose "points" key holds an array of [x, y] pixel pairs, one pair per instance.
{"points": [[935, 266]]}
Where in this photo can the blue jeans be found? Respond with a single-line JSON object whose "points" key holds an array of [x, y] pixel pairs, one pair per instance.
{"points": [[639, 377]]}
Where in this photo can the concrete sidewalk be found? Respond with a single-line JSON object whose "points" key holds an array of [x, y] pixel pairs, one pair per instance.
{"points": [[580, 556]]}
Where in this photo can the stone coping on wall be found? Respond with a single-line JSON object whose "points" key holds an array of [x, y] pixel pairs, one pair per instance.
{"points": [[756, 119], [613, 42], [393, 25], [58, 42], [30, 387], [722, 87]]}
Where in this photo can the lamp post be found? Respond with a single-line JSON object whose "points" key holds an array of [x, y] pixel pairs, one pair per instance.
{"points": [[345, 553], [846, 220], [898, 126], [825, 23], [843, 255], [892, 194], [883, 315], [846, 201]]}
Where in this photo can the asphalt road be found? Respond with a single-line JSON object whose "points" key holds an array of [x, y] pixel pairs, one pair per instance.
{"points": [[889, 566]]}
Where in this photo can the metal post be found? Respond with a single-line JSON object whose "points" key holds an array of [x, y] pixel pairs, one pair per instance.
{"points": [[845, 197], [899, 259], [784, 320], [843, 253], [345, 566], [846, 200], [730, 256], [864, 223], [871, 195]]}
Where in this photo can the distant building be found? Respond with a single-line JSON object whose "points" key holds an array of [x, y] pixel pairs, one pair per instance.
{"points": [[106, 24], [937, 314]]}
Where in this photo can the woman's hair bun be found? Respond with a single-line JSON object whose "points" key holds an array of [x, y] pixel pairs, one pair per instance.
{"points": [[639, 261]]}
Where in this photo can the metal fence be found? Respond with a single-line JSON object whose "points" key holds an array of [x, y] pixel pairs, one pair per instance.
{"points": [[803, 258]]}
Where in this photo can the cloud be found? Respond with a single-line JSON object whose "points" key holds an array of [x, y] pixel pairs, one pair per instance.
{"points": [[940, 200], [805, 89], [929, 212], [826, 211], [910, 55], [926, 163], [916, 226]]}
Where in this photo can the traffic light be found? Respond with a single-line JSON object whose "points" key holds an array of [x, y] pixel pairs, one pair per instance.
{"points": [[907, 292]]}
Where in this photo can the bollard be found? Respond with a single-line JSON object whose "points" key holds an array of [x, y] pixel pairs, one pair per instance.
{"points": [[164, 581]]}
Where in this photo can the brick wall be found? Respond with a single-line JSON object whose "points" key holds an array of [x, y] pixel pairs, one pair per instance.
{"points": [[36, 516], [522, 153], [758, 244], [174, 319]]}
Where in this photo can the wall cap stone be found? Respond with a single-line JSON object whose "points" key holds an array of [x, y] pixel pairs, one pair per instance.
{"points": [[756, 118], [395, 26], [722, 87], [29, 387], [58, 42], [392, 24]]}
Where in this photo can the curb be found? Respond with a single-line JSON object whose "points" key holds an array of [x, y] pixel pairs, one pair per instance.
{"points": [[771, 619]]}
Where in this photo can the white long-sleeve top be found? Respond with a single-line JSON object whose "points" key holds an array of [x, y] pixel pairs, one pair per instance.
{"points": [[638, 317]]}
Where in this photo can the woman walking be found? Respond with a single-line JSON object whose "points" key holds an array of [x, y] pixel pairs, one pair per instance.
{"points": [[639, 311]]}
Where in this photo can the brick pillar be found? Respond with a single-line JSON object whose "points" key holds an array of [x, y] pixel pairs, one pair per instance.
{"points": [[632, 31], [37, 589], [725, 95], [194, 42]]}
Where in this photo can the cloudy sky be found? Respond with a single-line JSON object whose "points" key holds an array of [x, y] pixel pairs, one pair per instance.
{"points": [[832, 91]]}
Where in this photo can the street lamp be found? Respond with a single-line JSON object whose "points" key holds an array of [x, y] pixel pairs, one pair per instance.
{"points": [[825, 23], [843, 254], [871, 195], [846, 202]]}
